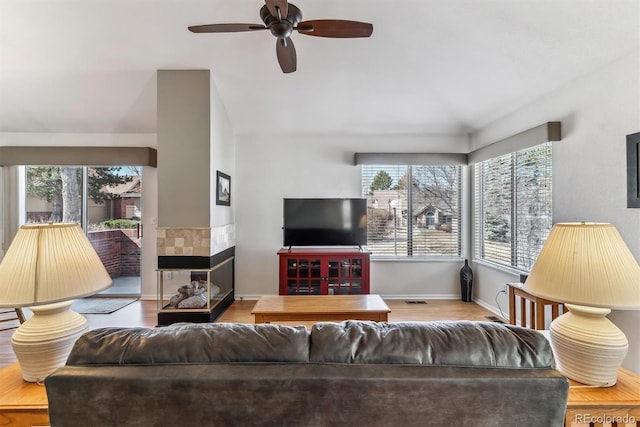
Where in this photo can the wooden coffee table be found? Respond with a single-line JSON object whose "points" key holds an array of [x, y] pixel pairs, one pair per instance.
{"points": [[286, 308]]}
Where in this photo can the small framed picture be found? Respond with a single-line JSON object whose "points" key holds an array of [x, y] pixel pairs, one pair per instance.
{"points": [[223, 189], [633, 170]]}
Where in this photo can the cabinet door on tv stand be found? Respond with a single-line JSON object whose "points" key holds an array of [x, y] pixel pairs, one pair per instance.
{"points": [[303, 276], [345, 276]]}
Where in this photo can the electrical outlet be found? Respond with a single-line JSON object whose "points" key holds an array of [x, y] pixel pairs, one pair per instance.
{"points": [[506, 289]]}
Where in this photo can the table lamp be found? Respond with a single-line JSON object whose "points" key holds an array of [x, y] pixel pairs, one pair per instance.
{"points": [[588, 268], [45, 268]]}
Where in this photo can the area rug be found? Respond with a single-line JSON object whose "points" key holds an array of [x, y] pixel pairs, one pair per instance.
{"points": [[100, 305]]}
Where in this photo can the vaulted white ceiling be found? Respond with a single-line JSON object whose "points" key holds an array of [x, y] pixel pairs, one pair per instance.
{"points": [[431, 66]]}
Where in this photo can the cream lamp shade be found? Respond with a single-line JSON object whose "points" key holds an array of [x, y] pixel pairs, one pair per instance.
{"points": [[589, 268], [45, 268], [587, 264]]}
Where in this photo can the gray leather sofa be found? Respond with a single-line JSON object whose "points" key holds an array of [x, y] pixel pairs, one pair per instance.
{"points": [[352, 374]]}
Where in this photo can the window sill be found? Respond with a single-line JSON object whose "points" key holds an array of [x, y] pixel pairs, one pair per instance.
{"points": [[499, 267], [415, 259]]}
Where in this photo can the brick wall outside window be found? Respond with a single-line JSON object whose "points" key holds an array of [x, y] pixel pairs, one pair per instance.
{"points": [[119, 251]]}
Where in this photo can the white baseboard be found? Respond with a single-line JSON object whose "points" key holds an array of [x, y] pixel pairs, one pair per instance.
{"points": [[491, 308], [421, 297]]}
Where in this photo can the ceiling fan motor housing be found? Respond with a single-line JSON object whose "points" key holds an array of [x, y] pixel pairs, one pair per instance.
{"points": [[284, 27]]}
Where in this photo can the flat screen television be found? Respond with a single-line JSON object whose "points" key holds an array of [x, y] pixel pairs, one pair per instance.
{"points": [[325, 222]]}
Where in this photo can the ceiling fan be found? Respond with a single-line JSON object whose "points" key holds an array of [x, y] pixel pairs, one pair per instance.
{"points": [[282, 18]]}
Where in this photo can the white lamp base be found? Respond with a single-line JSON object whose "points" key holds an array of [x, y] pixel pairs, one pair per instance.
{"points": [[43, 343], [588, 347]]}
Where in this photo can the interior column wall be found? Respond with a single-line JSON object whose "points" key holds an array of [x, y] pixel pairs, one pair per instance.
{"points": [[184, 148]]}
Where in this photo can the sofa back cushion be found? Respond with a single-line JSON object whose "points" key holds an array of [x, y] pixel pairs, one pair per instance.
{"points": [[192, 343], [461, 343]]}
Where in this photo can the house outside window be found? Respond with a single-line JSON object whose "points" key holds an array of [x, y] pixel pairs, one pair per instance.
{"points": [[513, 207], [413, 210]]}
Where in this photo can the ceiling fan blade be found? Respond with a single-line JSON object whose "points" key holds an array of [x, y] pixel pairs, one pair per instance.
{"points": [[225, 28], [335, 28], [272, 5], [286, 55]]}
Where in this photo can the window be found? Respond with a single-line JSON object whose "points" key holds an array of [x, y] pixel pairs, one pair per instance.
{"points": [[58, 194], [106, 201], [513, 207], [420, 219]]}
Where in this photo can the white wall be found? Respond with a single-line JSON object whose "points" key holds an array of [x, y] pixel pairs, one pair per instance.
{"points": [[589, 165], [270, 168], [223, 152]]}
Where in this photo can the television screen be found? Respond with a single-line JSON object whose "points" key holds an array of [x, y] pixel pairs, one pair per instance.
{"points": [[325, 222]]}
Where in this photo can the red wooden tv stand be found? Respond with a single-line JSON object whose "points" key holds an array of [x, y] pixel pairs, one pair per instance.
{"points": [[324, 271]]}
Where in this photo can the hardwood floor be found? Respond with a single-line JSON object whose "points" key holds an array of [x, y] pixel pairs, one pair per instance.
{"points": [[144, 313]]}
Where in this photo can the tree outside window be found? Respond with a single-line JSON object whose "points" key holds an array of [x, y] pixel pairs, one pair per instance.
{"points": [[55, 193]]}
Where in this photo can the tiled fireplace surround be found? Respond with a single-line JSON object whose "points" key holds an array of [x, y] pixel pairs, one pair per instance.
{"points": [[198, 248], [194, 241]]}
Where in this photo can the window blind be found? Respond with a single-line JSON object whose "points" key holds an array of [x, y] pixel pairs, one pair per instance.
{"points": [[413, 210], [513, 206], [533, 203]]}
